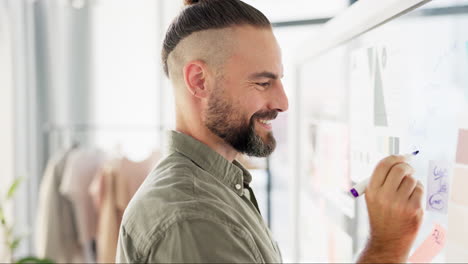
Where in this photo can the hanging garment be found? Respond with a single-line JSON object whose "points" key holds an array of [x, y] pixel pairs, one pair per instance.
{"points": [[113, 187], [82, 166], [56, 230]]}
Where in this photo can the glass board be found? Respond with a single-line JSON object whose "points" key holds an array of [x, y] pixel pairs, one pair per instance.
{"points": [[400, 87]]}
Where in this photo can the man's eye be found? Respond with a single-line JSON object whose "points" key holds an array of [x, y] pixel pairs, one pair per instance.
{"points": [[264, 84]]}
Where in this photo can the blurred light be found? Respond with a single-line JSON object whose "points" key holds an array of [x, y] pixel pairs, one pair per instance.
{"points": [[77, 4], [280, 10]]}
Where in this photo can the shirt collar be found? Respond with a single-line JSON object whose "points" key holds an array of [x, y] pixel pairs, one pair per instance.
{"points": [[232, 174]]}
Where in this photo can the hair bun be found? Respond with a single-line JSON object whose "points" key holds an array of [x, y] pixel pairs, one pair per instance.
{"points": [[191, 2]]}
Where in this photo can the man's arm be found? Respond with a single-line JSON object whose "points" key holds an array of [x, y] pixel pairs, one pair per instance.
{"points": [[198, 241], [394, 202]]}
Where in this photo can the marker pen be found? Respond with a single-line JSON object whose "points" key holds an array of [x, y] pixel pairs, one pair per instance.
{"points": [[360, 188]]}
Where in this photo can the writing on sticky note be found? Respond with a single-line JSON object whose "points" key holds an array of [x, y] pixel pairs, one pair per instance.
{"points": [[438, 186], [431, 246]]}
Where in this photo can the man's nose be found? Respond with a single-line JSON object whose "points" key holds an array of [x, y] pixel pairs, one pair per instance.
{"points": [[278, 99]]}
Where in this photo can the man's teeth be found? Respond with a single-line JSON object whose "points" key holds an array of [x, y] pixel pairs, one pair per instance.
{"points": [[266, 122]]}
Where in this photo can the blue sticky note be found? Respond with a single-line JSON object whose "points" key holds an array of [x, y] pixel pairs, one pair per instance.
{"points": [[438, 186]]}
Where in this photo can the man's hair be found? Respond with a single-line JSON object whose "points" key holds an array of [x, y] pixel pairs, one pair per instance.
{"points": [[199, 15]]}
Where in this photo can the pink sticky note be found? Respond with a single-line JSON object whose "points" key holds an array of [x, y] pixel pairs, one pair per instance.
{"points": [[462, 148], [459, 183], [431, 247]]}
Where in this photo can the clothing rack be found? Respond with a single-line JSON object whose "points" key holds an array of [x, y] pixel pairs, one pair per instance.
{"points": [[87, 127], [59, 136], [62, 137]]}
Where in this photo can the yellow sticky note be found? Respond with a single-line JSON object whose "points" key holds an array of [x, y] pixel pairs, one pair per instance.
{"points": [[431, 247]]}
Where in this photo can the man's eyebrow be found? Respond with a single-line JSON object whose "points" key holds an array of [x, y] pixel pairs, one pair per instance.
{"points": [[264, 74]]}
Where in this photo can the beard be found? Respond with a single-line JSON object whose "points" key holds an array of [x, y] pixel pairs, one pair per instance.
{"points": [[222, 119]]}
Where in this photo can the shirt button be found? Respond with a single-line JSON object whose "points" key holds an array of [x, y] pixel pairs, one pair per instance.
{"points": [[238, 186]]}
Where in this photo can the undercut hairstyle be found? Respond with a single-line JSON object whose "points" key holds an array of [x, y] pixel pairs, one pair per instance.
{"points": [[200, 15]]}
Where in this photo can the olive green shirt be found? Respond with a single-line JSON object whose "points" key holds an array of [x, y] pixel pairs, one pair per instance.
{"points": [[195, 207]]}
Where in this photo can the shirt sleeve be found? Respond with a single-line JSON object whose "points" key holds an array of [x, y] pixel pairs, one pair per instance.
{"points": [[204, 241]]}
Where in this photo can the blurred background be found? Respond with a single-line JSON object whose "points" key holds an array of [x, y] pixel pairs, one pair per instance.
{"points": [[82, 93]]}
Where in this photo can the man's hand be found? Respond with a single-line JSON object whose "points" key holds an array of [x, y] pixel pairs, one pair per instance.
{"points": [[394, 202]]}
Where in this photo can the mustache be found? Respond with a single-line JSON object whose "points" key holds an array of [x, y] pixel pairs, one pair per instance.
{"points": [[265, 115]]}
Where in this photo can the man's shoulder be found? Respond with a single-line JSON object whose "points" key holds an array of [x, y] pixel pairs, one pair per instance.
{"points": [[169, 183], [167, 196], [175, 163]]}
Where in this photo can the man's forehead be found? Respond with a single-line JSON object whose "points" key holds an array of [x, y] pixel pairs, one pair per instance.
{"points": [[259, 41], [258, 53]]}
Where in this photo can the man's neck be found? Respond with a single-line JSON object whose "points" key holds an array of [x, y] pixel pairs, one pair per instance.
{"points": [[212, 141]]}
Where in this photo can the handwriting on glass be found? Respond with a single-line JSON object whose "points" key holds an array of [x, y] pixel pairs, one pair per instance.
{"points": [[438, 179], [438, 236], [437, 199], [430, 247]]}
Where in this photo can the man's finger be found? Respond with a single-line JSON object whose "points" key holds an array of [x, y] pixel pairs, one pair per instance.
{"points": [[396, 175], [382, 169], [416, 197], [406, 187]]}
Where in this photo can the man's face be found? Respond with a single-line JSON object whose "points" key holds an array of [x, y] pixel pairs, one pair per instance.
{"points": [[248, 94]]}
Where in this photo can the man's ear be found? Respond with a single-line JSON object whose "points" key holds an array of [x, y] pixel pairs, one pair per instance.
{"points": [[195, 78]]}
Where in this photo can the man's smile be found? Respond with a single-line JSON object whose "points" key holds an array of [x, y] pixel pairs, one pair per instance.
{"points": [[265, 123]]}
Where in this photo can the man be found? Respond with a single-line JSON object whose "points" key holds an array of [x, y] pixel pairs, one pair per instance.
{"points": [[196, 206]]}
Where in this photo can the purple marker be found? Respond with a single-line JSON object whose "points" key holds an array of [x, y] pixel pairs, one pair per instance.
{"points": [[360, 188]]}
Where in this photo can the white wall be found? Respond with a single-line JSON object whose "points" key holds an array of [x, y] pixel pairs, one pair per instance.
{"points": [[126, 86], [6, 112], [280, 10]]}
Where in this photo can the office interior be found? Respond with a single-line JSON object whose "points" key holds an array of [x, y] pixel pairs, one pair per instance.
{"points": [[84, 76]]}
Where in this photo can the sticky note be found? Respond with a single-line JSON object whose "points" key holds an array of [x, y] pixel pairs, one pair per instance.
{"points": [[457, 233], [431, 247], [458, 193], [456, 253], [462, 147], [438, 186]]}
